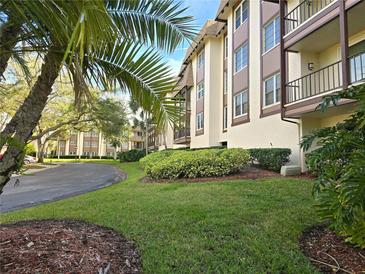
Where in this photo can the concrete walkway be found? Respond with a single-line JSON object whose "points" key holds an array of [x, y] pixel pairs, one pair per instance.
{"points": [[57, 183]]}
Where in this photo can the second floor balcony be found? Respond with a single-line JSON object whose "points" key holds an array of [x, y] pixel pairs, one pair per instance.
{"points": [[325, 80], [182, 135]]}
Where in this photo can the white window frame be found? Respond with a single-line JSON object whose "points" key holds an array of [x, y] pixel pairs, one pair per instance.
{"points": [[274, 29], [225, 117], [200, 90], [241, 106], [245, 45], [201, 60], [240, 6], [199, 120], [225, 47], [225, 82], [275, 99]]}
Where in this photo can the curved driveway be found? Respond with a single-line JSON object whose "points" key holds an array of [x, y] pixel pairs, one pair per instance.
{"points": [[57, 183]]}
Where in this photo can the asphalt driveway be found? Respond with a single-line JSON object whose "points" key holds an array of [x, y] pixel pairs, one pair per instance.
{"points": [[57, 183]]}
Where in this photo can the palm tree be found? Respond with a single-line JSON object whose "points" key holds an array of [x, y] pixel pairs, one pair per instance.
{"points": [[104, 43]]}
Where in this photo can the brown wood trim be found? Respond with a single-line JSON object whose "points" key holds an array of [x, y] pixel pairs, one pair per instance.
{"points": [[344, 45], [241, 120], [264, 112], [235, 122], [196, 87], [199, 132], [270, 111], [295, 34]]}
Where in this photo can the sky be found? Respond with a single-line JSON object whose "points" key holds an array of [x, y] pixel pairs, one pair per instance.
{"points": [[201, 10]]}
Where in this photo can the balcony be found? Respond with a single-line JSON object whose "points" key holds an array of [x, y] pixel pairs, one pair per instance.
{"points": [[304, 11], [326, 80], [182, 136]]}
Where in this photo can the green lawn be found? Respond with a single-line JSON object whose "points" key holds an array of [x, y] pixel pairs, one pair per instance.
{"points": [[221, 227]]}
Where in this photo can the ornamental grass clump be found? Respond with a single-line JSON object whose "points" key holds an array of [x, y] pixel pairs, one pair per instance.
{"points": [[195, 163]]}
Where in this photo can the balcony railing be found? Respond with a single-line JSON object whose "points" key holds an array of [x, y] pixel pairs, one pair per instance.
{"points": [[181, 133], [305, 10], [325, 80]]}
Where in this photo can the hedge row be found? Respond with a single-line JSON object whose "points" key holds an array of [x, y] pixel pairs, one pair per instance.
{"points": [[195, 163], [133, 155], [270, 158]]}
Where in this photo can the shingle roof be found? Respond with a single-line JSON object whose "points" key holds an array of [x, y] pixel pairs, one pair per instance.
{"points": [[222, 5]]}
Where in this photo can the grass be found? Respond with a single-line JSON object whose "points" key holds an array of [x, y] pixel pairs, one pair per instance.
{"points": [[219, 227]]}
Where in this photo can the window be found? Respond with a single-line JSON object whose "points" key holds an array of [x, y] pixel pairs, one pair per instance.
{"points": [[200, 121], [272, 34], [225, 82], [241, 14], [241, 58], [200, 90], [226, 47], [240, 104], [86, 143], [225, 117], [201, 60], [272, 90]]}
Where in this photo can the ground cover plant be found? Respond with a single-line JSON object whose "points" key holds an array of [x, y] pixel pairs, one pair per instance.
{"points": [[219, 227], [195, 163], [339, 164]]}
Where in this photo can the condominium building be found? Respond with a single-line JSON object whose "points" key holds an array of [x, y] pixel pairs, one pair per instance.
{"points": [[256, 73]]}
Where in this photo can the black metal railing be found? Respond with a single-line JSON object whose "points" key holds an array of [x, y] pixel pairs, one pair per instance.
{"points": [[357, 68], [326, 79], [181, 133], [305, 10], [321, 81]]}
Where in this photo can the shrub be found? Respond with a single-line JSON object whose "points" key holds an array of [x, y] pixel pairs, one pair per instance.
{"points": [[195, 163], [270, 158], [340, 166], [133, 155]]}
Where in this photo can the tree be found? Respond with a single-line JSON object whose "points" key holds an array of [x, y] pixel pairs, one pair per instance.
{"points": [[108, 43], [340, 166]]}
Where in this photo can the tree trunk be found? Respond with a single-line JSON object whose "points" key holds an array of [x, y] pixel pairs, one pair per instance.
{"points": [[27, 116], [8, 40], [41, 149]]}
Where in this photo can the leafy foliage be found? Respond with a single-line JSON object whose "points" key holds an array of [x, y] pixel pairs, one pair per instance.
{"points": [[133, 155], [340, 166], [270, 158], [195, 163]]}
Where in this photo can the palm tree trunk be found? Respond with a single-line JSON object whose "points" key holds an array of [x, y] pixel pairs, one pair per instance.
{"points": [[27, 116], [8, 40]]}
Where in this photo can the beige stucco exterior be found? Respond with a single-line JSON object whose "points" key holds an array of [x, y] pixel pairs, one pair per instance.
{"points": [[261, 126]]}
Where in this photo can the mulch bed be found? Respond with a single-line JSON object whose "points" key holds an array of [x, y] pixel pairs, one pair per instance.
{"points": [[249, 173], [53, 246], [330, 253]]}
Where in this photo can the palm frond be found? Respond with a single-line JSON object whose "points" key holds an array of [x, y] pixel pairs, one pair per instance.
{"points": [[141, 73], [159, 23]]}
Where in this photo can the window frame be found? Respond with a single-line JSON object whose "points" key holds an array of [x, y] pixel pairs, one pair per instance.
{"points": [[275, 99], [200, 93], [225, 117], [244, 45], [225, 53], [241, 105], [225, 82], [201, 60], [200, 124], [272, 21], [240, 6]]}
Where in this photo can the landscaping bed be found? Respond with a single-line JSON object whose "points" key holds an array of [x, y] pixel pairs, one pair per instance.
{"points": [[65, 247], [330, 253], [249, 173]]}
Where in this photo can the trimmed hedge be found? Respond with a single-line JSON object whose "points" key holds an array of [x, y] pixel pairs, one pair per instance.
{"points": [[133, 155], [270, 158], [195, 163]]}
